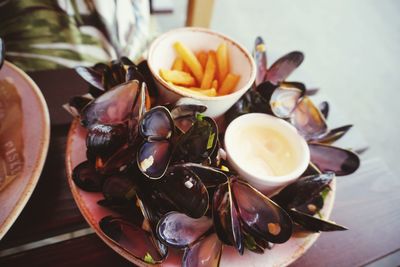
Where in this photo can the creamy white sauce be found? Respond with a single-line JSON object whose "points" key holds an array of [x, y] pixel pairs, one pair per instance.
{"points": [[263, 151]]}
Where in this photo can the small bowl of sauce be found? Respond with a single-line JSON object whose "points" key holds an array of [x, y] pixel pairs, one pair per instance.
{"points": [[266, 151]]}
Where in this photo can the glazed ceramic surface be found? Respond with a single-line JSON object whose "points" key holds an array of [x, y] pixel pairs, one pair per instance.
{"points": [[36, 134]]}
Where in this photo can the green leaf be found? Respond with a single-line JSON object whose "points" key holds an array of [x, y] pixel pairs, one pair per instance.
{"points": [[210, 140], [148, 258]]}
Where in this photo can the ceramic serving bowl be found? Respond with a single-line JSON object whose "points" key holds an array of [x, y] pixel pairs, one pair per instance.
{"points": [[162, 54], [235, 145]]}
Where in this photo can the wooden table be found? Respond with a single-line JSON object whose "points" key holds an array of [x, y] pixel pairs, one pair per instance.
{"points": [[367, 202]]}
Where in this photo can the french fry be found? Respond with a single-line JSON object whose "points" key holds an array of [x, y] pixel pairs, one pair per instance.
{"points": [[214, 84], [190, 59], [178, 64], [202, 57], [229, 84], [196, 90], [223, 62], [209, 71], [186, 68], [177, 77]]}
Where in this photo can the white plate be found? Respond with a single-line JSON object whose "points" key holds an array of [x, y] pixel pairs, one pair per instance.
{"points": [[36, 134]]}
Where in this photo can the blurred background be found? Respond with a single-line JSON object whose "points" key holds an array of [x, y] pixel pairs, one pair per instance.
{"points": [[351, 48]]}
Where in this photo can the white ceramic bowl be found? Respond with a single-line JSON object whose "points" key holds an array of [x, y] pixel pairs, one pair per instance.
{"points": [[268, 184], [162, 54]]}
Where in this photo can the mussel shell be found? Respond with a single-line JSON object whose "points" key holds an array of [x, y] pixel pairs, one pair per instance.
{"points": [[197, 144], [2, 52], [313, 206], [119, 162], [91, 76], [112, 107], [126, 236], [118, 71], [254, 244], [187, 106], [148, 78], [184, 190], [333, 135], [260, 57], [179, 230], [324, 108], [329, 158], [205, 253], [308, 120], [153, 158], [142, 104], [261, 100], [241, 107], [260, 215], [85, 177], [284, 66], [104, 140], [210, 176], [126, 62], [76, 104], [314, 224], [284, 99], [119, 188], [156, 124], [303, 190], [226, 218]]}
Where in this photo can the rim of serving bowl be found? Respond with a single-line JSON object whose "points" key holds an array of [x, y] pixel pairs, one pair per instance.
{"points": [[248, 56], [269, 180]]}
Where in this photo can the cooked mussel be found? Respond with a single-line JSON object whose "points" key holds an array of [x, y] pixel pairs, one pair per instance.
{"points": [[126, 235], [308, 120], [260, 57], [332, 135], [119, 188], [199, 142], [285, 97], [104, 140], [303, 190], [284, 66], [112, 107], [119, 162], [206, 252], [259, 215], [85, 177], [184, 190], [334, 159], [179, 230], [314, 224], [157, 124]]}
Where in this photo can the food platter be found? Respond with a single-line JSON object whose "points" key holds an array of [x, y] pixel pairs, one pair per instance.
{"points": [[159, 183], [279, 255], [36, 135]]}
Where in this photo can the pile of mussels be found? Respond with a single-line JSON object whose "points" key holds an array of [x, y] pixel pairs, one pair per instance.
{"points": [[163, 169]]}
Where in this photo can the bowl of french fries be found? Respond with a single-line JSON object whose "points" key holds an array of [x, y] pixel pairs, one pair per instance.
{"points": [[202, 64]]}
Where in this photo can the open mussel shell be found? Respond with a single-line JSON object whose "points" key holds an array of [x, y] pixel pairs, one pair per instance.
{"points": [[259, 215], [205, 253], [332, 135], [76, 104], [284, 99], [119, 162], [338, 160], [308, 120], [226, 219], [184, 190], [199, 142], [126, 236], [210, 176], [187, 107], [85, 177], [254, 243], [179, 230], [104, 140], [153, 158], [260, 57], [284, 66], [157, 124], [303, 190], [314, 224], [91, 76], [112, 107], [119, 188]]}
